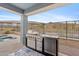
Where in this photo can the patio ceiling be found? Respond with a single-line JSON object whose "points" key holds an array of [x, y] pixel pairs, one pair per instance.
{"points": [[30, 8], [24, 6]]}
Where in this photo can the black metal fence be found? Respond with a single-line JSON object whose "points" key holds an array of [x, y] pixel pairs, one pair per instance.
{"points": [[69, 29], [9, 27], [65, 29]]}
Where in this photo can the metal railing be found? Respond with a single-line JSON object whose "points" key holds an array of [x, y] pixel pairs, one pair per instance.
{"points": [[9, 28], [69, 29], [65, 29]]}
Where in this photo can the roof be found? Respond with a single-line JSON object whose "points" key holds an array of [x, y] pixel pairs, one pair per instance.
{"points": [[30, 8]]}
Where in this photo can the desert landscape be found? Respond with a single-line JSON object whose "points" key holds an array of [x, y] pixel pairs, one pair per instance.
{"points": [[68, 33]]}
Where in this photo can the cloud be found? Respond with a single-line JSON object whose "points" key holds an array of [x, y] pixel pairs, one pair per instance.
{"points": [[8, 17], [52, 18], [65, 18]]}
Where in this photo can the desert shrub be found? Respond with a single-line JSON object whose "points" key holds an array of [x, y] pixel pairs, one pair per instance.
{"points": [[7, 32]]}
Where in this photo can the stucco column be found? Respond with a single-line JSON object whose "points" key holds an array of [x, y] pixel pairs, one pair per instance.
{"points": [[24, 29]]}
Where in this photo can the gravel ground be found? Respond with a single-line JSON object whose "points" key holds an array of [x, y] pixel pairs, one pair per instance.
{"points": [[69, 47]]}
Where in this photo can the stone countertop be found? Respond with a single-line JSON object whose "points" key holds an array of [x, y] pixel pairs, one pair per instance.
{"points": [[43, 35]]}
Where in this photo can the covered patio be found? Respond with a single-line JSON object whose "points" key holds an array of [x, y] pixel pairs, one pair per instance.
{"points": [[24, 10]]}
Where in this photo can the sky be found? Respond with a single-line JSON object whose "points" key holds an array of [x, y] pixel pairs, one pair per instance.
{"points": [[65, 13], [8, 16]]}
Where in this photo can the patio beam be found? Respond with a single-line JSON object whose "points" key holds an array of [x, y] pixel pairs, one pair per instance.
{"points": [[11, 8], [42, 7]]}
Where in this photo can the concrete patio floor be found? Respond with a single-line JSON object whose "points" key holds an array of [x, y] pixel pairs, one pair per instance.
{"points": [[25, 52], [10, 46]]}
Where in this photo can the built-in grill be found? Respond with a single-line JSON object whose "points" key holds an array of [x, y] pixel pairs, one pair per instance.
{"points": [[43, 44]]}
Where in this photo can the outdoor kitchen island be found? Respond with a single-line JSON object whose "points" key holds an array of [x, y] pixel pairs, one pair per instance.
{"points": [[45, 44]]}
